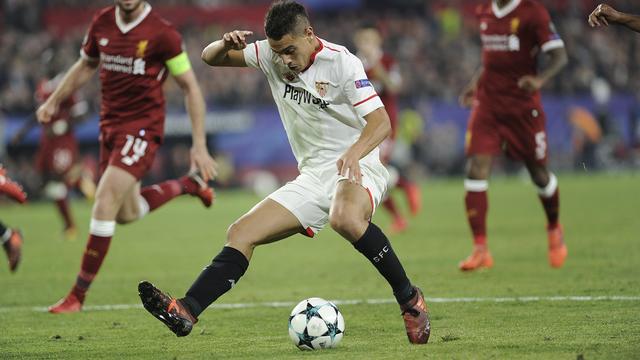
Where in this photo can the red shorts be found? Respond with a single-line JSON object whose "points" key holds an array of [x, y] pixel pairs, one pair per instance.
{"points": [[57, 155], [518, 132], [128, 149]]}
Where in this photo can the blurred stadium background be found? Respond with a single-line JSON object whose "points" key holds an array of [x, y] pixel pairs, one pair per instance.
{"points": [[592, 107]]}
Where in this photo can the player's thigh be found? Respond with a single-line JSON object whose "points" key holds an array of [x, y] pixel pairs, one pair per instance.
{"points": [[351, 200], [526, 137], [479, 166], [483, 136], [266, 222], [113, 187], [128, 149], [353, 205], [130, 208], [538, 172]]}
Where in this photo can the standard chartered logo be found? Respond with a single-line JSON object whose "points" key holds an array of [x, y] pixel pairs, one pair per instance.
{"points": [[138, 67], [123, 64]]}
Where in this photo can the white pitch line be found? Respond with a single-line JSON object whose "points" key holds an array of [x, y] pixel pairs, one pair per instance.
{"points": [[286, 304]]}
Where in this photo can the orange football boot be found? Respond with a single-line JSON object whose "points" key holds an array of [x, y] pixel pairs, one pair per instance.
{"points": [[68, 304], [13, 248], [204, 192], [416, 318], [557, 247], [479, 258], [11, 188]]}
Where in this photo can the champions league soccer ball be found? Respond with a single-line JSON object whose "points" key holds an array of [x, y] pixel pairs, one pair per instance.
{"points": [[315, 323]]}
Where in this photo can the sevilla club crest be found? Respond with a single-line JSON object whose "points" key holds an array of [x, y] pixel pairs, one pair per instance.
{"points": [[322, 87]]}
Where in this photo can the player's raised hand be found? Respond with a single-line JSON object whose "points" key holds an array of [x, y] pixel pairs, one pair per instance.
{"points": [[201, 160], [349, 166], [530, 83], [46, 112], [236, 40], [603, 14]]}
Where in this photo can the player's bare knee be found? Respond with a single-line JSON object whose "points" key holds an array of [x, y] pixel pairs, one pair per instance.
{"points": [[477, 171], [540, 178], [345, 223], [479, 167], [126, 218], [238, 237]]}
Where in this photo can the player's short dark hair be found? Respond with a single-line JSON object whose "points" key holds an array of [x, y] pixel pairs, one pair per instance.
{"points": [[283, 18]]}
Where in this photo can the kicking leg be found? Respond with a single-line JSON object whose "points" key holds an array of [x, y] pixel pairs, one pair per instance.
{"points": [[159, 194], [350, 212], [477, 205], [549, 194], [114, 186], [265, 223]]}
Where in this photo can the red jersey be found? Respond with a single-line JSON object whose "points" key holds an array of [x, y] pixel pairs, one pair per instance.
{"points": [[512, 37], [388, 99], [132, 67]]}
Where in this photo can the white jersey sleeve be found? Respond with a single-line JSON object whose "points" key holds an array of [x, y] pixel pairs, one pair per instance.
{"points": [[358, 88], [255, 55]]}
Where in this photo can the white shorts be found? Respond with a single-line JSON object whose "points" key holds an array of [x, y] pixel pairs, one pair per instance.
{"points": [[309, 196]]}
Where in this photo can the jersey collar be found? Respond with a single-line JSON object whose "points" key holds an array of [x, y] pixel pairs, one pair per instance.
{"points": [[313, 55], [126, 27], [502, 12]]}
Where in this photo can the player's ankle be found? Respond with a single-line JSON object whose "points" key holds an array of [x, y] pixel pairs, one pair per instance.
{"points": [[79, 293], [481, 247], [480, 242]]}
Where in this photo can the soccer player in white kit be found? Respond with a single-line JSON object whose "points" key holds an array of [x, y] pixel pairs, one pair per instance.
{"points": [[334, 121]]}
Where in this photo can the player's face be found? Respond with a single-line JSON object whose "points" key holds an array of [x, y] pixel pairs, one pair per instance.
{"points": [[295, 50], [129, 6]]}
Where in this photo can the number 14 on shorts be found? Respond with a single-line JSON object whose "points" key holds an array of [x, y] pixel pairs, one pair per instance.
{"points": [[133, 150]]}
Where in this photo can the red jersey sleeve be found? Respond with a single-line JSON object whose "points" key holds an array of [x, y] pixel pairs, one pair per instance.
{"points": [[171, 41], [546, 35], [89, 49]]}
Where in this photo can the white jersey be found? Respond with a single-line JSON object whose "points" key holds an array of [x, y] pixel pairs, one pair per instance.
{"points": [[322, 108]]}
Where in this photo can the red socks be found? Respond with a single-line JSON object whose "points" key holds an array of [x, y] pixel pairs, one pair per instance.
{"points": [[477, 206], [159, 194], [100, 233]]}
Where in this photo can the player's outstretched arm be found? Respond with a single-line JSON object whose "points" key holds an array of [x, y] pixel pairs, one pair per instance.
{"points": [[377, 129], [78, 75], [194, 102], [228, 50], [604, 14]]}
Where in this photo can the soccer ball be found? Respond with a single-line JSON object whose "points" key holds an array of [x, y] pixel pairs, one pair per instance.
{"points": [[315, 323]]}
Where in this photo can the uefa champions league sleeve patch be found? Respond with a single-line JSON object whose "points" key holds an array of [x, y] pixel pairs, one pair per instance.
{"points": [[363, 83]]}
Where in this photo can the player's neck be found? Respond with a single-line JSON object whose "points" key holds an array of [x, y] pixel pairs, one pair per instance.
{"points": [[502, 3], [316, 44], [128, 17]]}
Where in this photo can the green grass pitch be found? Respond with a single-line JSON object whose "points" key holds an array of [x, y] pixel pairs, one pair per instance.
{"points": [[602, 229]]}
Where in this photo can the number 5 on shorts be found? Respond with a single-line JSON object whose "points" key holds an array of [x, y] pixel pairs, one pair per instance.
{"points": [[137, 146], [541, 145]]}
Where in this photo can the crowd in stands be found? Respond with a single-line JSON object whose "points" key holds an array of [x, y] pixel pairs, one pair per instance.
{"points": [[436, 45]]}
